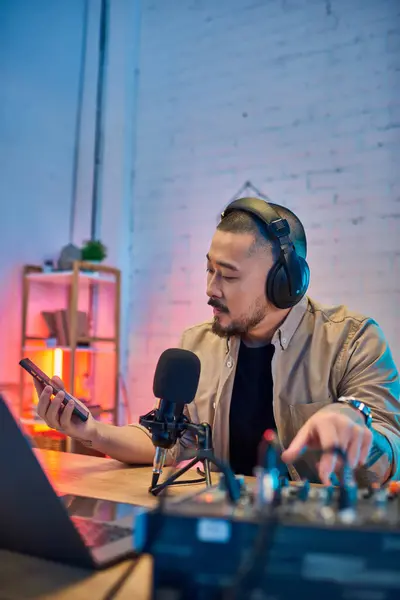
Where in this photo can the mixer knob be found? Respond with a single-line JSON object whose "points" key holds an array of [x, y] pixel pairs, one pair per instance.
{"points": [[394, 489], [267, 486], [325, 509], [379, 500], [239, 478], [326, 495], [304, 491]]}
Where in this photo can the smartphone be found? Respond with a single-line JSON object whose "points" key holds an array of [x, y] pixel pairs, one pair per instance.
{"points": [[29, 366]]}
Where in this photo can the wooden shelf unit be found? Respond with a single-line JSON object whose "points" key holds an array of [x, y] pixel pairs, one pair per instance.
{"points": [[83, 272]]}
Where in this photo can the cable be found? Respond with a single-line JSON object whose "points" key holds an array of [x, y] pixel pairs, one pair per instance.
{"points": [[117, 586], [184, 481], [188, 481], [264, 539], [260, 549], [232, 485]]}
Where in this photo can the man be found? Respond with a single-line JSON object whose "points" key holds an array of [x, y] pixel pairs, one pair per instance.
{"points": [[273, 358]]}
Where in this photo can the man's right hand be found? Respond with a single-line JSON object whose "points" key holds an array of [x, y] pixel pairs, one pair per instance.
{"points": [[60, 417]]}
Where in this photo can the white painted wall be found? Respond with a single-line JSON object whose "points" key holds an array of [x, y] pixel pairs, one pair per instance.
{"points": [[299, 96], [302, 98], [40, 45], [48, 65]]}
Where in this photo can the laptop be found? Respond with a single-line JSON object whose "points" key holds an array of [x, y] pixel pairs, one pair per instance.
{"points": [[34, 520]]}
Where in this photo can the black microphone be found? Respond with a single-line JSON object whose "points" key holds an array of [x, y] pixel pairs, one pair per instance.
{"points": [[175, 383]]}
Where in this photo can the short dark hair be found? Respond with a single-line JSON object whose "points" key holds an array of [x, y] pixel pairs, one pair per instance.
{"points": [[240, 221]]}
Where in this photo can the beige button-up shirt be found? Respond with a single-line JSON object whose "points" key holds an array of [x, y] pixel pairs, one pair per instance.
{"points": [[321, 354]]}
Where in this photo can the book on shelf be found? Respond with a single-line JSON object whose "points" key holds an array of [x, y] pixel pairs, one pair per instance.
{"points": [[58, 322]]}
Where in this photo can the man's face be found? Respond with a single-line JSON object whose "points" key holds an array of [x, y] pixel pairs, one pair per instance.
{"points": [[236, 281]]}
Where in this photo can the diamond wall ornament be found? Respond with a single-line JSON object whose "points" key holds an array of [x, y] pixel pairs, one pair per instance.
{"points": [[246, 190]]}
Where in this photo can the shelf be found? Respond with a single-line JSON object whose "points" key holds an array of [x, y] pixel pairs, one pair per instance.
{"points": [[68, 349], [37, 421], [39, 338], [86, 350], [34, 421], [64, 277]]}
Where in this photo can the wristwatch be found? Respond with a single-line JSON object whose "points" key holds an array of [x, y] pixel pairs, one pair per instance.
{"points": [[361, 407]]}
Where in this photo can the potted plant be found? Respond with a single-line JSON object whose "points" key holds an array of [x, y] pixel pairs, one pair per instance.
{"points": [[94, 251]]}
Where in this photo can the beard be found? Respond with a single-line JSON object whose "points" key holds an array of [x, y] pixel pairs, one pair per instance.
{"points": [[244, 324]]}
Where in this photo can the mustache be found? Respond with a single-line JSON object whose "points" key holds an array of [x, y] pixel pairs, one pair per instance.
{"points": [[216, 304]]}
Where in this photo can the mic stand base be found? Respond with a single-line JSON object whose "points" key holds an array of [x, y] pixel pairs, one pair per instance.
{"points": [[205, 454]]}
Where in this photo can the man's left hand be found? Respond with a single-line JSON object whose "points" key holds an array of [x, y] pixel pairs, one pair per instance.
{"points": [[329, 429]]}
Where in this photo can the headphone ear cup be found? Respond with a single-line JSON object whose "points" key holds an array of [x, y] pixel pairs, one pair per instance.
{"points": [[277, 285], [278, 288], [305, 276]]}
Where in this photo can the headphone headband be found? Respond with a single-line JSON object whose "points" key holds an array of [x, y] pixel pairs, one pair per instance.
{"points": [[257, 207], [288, 279]]}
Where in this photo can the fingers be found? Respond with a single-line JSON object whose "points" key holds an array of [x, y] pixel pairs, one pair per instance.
{"points": [[327, 432], [53, 413], [66, 415], [354, 446], [44, 401], [298, 445], [39, 387], [58, 382], [50, 410], [365, 446], [329, 439], [354, 440]]}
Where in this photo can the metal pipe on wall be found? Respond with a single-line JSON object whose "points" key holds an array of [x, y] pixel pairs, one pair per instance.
{"points": [[98, 132], [78, 119]]}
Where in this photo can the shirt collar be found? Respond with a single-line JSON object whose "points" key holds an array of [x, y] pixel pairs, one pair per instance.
{"points": [[284, 334]]}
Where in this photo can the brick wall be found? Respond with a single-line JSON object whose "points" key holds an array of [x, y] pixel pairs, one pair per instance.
{"points": [[300, 97]]}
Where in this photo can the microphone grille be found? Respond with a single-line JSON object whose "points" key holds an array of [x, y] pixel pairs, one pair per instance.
{"points": [[177, 376]]}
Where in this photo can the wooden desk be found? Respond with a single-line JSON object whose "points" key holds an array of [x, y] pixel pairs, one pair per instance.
{"points": [[27, 577]]}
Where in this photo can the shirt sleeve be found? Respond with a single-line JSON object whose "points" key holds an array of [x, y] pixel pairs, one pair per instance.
{"points": [[370, 375]]}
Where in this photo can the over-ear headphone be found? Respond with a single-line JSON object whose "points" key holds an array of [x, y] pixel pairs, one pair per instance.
{"points": [[288, 279]]}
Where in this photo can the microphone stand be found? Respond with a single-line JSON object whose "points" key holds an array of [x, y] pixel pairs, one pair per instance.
{"points": [[204, 453]]}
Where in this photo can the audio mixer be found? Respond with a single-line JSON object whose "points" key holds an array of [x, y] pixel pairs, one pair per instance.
{"points": [[276, 541]]}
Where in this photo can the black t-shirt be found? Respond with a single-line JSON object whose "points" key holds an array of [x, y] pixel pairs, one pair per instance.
{"points": [[251, 406]]}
